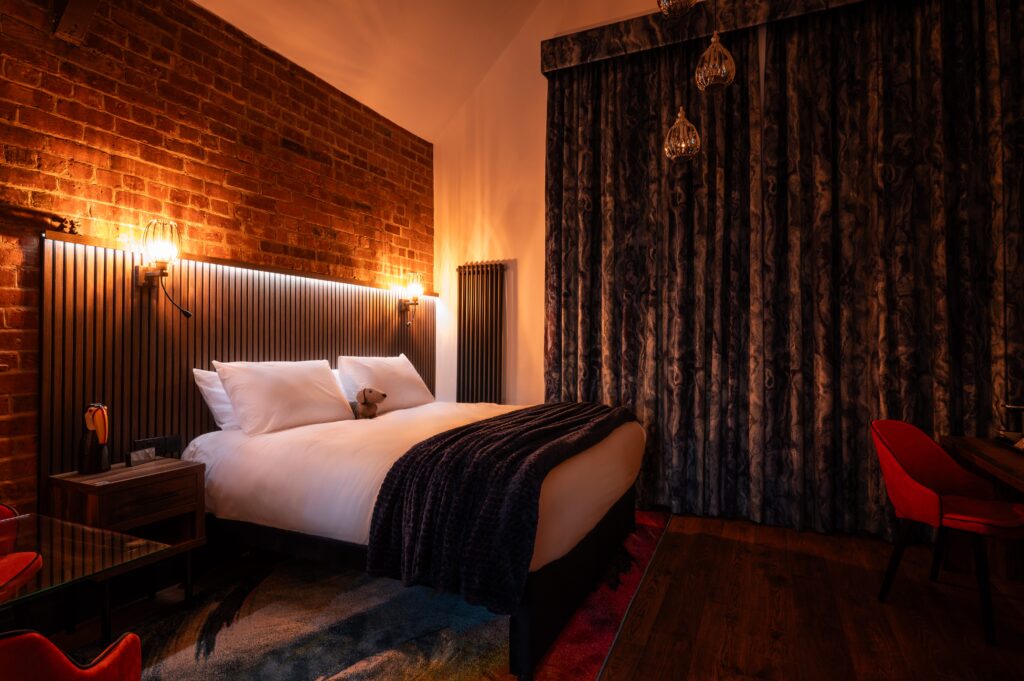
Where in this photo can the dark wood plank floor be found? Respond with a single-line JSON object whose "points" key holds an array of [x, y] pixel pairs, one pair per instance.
{"points": [[734, 600]]}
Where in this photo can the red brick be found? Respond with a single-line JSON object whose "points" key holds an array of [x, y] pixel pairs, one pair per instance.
{"points": [[137, 132], [78, 152], [111, 142], [20, 382], [84, 114], [30, 12], [57, 85], [15, 318], [85, 76], [49, 124], [30, 179], [19, 424], [23, 94]]}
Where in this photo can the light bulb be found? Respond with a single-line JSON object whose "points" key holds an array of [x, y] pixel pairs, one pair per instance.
{"points": [[414, 289]]}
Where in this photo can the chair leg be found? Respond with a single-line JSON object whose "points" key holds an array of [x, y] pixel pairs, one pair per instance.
{"points": [[984, 587], [937, 553], [899, 545]]}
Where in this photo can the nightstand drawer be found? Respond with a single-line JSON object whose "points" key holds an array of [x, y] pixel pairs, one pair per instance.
{"points": [[157, 498], [162, 499]]}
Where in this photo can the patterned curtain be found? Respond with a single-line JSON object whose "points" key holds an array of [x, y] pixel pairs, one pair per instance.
{"points": [[848, 247]]}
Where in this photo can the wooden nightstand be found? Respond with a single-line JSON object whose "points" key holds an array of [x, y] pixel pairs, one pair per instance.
{"points": [[162, 500]]}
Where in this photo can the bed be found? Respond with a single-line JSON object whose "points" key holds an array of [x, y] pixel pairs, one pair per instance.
{"points": [[323, 480]]}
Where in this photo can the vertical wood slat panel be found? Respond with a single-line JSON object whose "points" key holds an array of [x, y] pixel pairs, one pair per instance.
{"points": [[481, 319], [106, 340]]}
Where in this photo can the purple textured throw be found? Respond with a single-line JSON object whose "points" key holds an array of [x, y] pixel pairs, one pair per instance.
{"points": [[458, 511]]}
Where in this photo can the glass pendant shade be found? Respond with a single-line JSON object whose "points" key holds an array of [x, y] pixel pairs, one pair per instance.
{"points": [[161, 243], [716, 67], [674, 9], [683, 140]]}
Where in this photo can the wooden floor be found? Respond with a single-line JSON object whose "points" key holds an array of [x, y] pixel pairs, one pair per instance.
{"points": [[734, 600]]}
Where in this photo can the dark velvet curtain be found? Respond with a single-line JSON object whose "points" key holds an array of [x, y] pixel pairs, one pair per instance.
{"points": [[847, 247]]}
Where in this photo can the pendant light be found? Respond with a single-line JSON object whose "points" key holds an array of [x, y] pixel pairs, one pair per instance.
{"points": [[716, 67], [683, 140], [673, 9]]}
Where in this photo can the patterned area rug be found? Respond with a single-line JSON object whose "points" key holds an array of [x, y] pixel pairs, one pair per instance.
{"points": [[284, 619]]}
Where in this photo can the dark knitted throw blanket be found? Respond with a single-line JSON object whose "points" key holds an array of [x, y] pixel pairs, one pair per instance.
{"points": [[458, 511]]}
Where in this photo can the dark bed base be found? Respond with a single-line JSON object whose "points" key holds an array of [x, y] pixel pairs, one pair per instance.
{"points": [[553, 593]]}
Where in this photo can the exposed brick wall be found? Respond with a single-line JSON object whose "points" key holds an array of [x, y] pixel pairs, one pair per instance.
{"points": [[19, 362], [168, 111]]}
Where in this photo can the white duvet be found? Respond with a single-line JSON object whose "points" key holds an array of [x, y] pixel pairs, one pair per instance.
{"points": [[323, 479]]}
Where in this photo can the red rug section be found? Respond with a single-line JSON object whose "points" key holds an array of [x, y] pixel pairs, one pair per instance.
{"points": [[583, 645]]}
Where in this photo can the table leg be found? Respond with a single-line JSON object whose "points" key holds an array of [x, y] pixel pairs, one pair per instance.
{"points": [[71, 610], [105, 612], [188, 576], [8, 619]]}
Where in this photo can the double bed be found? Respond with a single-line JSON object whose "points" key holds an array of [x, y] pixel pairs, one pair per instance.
{"points": [[322, 481]]}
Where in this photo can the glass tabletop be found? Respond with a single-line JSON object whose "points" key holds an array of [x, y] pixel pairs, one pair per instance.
{"points": [[38, 553]]}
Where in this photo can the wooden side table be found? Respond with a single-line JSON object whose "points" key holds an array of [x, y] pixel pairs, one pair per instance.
{"points": [[999, 460], [1004, 465], [162, 500]]}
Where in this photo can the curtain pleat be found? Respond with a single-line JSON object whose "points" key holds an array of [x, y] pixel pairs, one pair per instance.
{"points": [[847, 247]]}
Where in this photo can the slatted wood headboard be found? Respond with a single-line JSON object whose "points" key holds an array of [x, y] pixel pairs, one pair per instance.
{"points": [[106, 340]]}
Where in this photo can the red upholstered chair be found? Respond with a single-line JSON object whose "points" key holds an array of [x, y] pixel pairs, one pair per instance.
{"points": [[7, 534], [15, 568], [927, 486], [28, 656]]}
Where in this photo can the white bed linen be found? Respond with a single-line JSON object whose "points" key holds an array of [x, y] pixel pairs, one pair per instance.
{"points": [[323, 479]]}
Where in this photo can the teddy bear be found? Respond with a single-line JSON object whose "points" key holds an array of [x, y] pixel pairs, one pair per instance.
{"points": [[367, 400]]}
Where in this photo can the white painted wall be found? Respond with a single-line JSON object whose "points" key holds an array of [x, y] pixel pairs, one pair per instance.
{"points": [[489, 189], [411, 61]]}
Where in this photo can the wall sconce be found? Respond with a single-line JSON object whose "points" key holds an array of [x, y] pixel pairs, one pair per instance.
{"points": [[410, 297], [161, 246]]}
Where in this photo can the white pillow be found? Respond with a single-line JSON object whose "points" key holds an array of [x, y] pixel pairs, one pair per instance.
{"points": [[216, 399], [395, 376], [272, 396]]}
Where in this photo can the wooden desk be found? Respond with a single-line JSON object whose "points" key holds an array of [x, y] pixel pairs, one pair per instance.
{"points": [[1001, 461]]}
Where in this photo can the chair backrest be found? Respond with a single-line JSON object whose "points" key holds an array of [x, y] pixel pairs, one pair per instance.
{"points": [[918, 472], [7, 512], [29, 656]]}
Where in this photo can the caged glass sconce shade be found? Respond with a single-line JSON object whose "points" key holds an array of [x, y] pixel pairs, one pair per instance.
{"points": [[161, 242], [673, 9], [414, 286], [716, 67], [161, 246], [410, 296], [683, 140]]}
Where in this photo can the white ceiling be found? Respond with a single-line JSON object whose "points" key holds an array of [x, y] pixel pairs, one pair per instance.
{"points": [[413, 62]]}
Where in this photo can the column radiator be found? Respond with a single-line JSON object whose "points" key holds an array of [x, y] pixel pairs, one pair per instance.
{"points": [[481, 332]]}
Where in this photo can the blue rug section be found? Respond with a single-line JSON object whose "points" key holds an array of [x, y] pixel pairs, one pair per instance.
{"points": [[280, 619]]}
